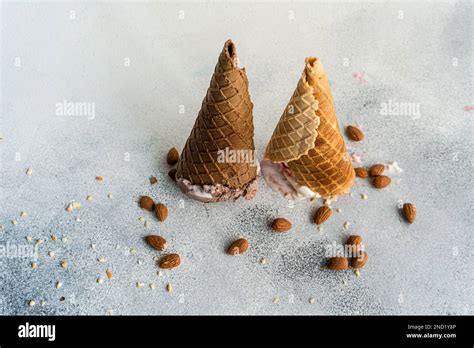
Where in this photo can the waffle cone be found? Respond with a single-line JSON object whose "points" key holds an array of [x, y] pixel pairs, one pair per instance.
{"points": [[224, 122], [308, 139]]}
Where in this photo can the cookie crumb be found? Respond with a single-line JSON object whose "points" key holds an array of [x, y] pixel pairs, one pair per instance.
{"points": [[110, 195], [29, 172], [59, 285], [364, 196], [276, 300], [64, 264], [31, 303], [311, 300], [14, 222], [34, 265], [89, 198], [109, 273], [99, 177], [54, 237], [51, 254], [140, 284], [169, 287], [263, 261], [346, 225], [152, 286], [23, 214], [100, 280]]}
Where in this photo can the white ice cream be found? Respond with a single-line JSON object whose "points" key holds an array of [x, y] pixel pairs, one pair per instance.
{"points": [[280, 179]]}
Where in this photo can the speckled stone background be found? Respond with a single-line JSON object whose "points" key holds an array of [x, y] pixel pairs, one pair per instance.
{"points": [[146, 67]]}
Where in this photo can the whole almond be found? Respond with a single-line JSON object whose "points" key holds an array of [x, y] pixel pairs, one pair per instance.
{"points": [[322, 215], [281, 225], [173, 156], [361, 172], [381, 181], [359, 262], [156, 242], [409, 211], [170, 261], [161, 211], [354, 243], [238, 247], [377, 169], [355, 133], [337, 263], [172, 173], [147, 203]]}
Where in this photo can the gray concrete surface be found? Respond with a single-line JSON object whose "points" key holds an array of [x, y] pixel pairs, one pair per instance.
{"points": [[145, 67]]}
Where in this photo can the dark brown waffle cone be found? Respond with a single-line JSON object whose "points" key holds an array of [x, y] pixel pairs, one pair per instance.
{"points": [[308, 139], [224, 121]]}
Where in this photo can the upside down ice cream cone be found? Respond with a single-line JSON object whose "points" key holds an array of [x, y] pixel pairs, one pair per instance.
{"points": [[218, 160], [306, 156]]}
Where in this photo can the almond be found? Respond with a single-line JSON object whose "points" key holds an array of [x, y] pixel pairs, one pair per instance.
{"points": [[409, 211], [322, 215], [354, 133], [337, 263], [156, 242], [354, 243], [170, 261], [161, 211], [381, 181], [361, 172], [359, 262], [147, 203], [377, 169], [281, 225], [172, 173], [173, 156], [238, 247]]}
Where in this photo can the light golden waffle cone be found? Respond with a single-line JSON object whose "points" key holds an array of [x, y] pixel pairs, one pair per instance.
{"points": [[224, 121], [308, 139]]}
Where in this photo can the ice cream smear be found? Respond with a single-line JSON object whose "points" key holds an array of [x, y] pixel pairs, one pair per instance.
{"points": [[280, 179], [217, 192]]}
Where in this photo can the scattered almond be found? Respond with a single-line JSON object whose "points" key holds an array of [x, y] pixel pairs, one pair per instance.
{"points": [[354, 133], [172, 173], [354, 243], [337, 263], [381, 181], [161, 211], [170, 261], [409, 211], [147, 203], [281, 225], [156, 242], [153, 180], [359, 262], [361, 172], [238, 247], [377, 169], [322, 215], [173, 156]]}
